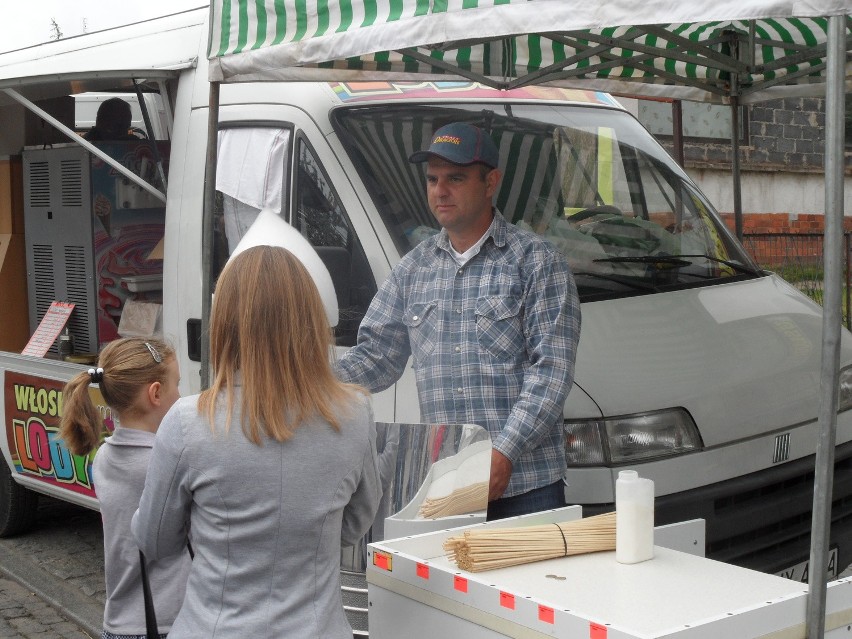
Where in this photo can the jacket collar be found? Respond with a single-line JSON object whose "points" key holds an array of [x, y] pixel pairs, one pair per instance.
{"points": [[130, 437]]}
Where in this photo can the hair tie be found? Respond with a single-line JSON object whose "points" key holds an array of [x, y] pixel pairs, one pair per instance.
{"points": [[97, 375]]}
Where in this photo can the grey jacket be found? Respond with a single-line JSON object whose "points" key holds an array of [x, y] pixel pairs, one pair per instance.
{"points": [[267, 521], [118, 473]]}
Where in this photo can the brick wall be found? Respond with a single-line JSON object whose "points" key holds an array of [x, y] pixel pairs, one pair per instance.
{"points": [[774, 239], [781, 223], [785, 135]]}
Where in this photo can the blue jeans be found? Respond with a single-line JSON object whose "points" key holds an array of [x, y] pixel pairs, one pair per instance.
{"points": [[536, 500]]}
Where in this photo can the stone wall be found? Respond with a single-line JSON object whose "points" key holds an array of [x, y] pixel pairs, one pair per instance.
{"points": [[783, 135]]}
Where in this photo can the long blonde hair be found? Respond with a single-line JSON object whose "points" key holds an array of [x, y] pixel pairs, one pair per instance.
{"points": [[127, 365], [269, 334]]}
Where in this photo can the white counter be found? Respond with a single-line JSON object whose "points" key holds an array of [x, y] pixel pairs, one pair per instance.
{"points": [[416, 592]]}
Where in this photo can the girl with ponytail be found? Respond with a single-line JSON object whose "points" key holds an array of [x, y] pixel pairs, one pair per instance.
{"points": [[138, 379]]}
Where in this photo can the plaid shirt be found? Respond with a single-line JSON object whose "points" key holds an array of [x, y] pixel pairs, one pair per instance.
{"points": [[493, 343]]}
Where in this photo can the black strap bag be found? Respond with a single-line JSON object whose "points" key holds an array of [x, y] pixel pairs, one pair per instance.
{"points": [[151, 630]]}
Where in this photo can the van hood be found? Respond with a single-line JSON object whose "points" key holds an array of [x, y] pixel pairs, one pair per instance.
{"points": [[743, 357]]}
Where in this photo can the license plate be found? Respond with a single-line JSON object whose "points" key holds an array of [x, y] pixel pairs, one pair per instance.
{"points": [[799, 572]]}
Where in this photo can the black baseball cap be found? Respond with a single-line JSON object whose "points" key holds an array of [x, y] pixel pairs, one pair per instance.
{"points": [[462, 144]]}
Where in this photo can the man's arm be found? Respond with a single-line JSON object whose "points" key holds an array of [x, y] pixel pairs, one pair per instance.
{"points": [[378, 358], [501, 473], [551, 330]]}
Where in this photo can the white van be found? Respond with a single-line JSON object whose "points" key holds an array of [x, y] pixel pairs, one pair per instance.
{"points": [[694, 367]]}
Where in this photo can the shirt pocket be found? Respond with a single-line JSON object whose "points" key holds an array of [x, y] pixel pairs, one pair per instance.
{"points": [[422, 322], [498, 326]]}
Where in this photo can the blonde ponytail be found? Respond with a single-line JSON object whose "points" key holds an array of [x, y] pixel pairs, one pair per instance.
{"points": [[124, 367], [81, 423]]}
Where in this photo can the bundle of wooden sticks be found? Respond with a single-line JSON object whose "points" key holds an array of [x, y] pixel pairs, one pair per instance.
{"points": [[469, 499], [485, 549]]}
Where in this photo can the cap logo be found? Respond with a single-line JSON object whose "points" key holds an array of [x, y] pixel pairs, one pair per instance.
{"points": [[447, 139]]}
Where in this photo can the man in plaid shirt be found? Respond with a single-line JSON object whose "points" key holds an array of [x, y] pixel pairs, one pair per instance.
{"points": [[489, 314]]}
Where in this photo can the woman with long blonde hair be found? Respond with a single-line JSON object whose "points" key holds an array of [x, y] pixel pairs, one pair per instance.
{"points": [[272, 467]]}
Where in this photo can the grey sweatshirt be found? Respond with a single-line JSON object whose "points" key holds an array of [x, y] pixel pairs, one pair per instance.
{"points": [[267, 521], [118, 473]]}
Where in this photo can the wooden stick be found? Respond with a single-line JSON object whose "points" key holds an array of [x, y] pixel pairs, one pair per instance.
{"points": [[486, 549], [469, 499]]}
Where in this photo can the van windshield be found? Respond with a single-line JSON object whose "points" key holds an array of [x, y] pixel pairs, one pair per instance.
{"points": [[591, 180]]}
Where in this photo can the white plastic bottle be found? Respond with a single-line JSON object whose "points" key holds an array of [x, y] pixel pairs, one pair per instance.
{"points": [[634, 527]]}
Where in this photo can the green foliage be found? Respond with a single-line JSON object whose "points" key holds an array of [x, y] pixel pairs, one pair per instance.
{"points": [[798, 273], [809, 280]]}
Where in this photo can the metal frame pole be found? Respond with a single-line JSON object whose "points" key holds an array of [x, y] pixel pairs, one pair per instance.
{"points": [[735, 166], [677, 131], [847, 279], [207, 231], [831, 324]]}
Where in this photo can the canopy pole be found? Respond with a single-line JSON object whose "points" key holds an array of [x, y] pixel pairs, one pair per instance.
{"points": [[830, 373], [677, 131], [735, 166], [207, 231]]}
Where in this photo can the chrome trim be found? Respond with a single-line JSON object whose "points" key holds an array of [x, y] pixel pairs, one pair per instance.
{"points": [[782, 448]]}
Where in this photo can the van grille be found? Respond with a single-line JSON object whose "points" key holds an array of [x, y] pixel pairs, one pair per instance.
{"points": [[782, 448], [781, 511], [762, 520]]}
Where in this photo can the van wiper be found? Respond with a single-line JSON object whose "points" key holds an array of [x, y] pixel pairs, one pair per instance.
{"points": [[741, 268], [634, 284], [677, 260], [670, 260]]}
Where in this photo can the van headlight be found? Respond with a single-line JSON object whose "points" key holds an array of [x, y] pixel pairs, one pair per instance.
{"points": [[631, 438], [844, 395]]}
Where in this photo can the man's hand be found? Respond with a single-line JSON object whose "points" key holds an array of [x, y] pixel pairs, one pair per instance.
{"points": [[501, 471]]}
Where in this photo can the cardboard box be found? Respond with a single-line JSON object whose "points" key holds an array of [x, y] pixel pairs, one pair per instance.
{"points": [[14, 311], [11, 196]]}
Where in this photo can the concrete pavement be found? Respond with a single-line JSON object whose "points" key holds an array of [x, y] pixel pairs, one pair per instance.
{"points": [[60, 564]]}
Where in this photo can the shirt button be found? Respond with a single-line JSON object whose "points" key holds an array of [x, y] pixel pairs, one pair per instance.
{"points": [[460, 271], [458, 349], [415, 318], [458, 390], [458, 310]]}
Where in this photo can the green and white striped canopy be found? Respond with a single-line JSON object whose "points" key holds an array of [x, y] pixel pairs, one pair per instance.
{"points": [[756, 49]]}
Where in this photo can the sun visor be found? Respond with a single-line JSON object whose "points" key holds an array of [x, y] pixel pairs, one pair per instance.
{"points": [[270, 230]]}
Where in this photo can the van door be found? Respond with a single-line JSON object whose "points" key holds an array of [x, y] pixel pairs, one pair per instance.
{"points": [[285, 164]]}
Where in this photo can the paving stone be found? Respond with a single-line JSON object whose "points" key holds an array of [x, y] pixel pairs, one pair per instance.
{"points": [[24, 615]]}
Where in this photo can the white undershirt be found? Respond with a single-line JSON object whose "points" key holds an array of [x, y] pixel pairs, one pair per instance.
{"points": [[463, 258]]}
